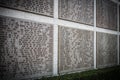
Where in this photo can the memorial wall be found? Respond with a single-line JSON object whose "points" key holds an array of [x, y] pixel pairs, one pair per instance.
{"points": [[50, 37]]}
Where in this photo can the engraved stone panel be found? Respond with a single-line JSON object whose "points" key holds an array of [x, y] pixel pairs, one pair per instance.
{"points": [[44, 7], [75, 49], [26, 48], [106, 14], [77, 10], [106, 49]]}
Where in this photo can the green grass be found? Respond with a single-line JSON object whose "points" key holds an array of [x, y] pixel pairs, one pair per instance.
{"points": [[112, 73]]}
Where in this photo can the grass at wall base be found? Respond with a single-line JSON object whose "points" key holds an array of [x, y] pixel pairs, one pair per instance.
{"points": [[112, 73]]}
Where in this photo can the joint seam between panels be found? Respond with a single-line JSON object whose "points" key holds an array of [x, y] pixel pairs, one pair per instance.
{"points": [[55, 43]]}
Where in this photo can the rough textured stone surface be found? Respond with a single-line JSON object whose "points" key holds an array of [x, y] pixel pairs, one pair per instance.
{"points": [[106, 49], [119, 49], [119, 19], [106, 14], [75, 49], [44, 7], [77, 10], [26, 48]]}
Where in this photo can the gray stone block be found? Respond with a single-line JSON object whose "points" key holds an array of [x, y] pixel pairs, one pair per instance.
{"points": [[44, 7], [26, 48], [106, 14], [81, 11], [106, 49], [75, 49]]}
